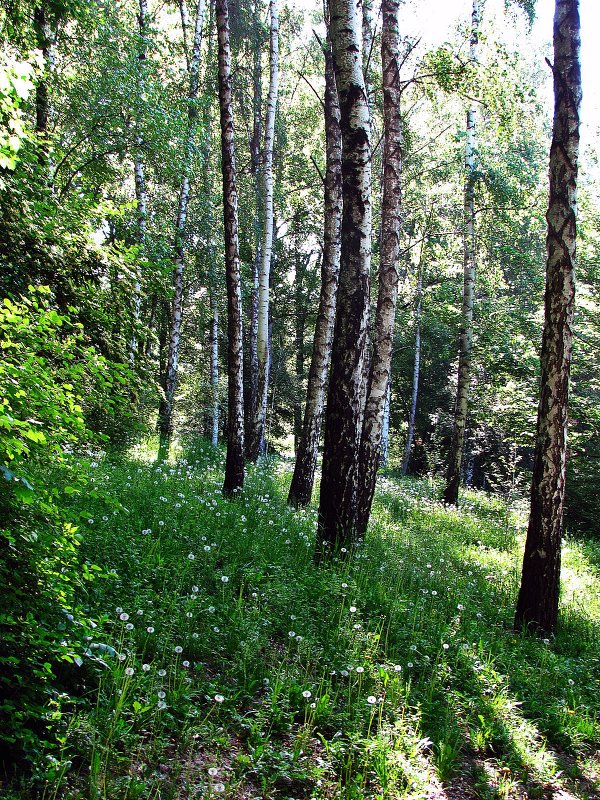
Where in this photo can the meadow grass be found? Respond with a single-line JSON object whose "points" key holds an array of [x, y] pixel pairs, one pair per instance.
{"points": [[224, 662]]}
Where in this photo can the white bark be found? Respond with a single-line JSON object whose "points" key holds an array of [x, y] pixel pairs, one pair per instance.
{"points": [[469, 267], [416, 373], [141, 195], [262, 343], [391, 208], [176, 316], [345, 398]]}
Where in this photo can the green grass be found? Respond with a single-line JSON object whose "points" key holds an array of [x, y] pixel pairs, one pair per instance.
{"points": [[225, 663]]}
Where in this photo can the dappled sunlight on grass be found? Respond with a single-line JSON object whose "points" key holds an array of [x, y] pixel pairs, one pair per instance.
{"points": [[225, 659]]}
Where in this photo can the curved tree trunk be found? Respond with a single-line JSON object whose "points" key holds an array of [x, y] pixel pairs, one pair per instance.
{"points": [[388, 270], [166, 408], [537, 605], [465, 346], [308, 445], [234, 465], [257, 434], [337, 503]]}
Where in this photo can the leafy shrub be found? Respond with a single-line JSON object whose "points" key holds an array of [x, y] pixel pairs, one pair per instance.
{"points": [[46, 365]]}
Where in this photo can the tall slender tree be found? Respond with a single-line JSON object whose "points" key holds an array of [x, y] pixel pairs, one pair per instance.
{"points": [[234, 464], [537, 605], [141, 195], [412, 415], [465, 345], [344, 397], [176, 312], [388, 266], [255, 148], [213, 282], [263, 352], [308, 444]]}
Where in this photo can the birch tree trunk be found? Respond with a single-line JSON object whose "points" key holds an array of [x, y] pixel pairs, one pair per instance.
{"points": [[337, 502], [300, 324], [416, 373], [465, 346], [306, 454], [213, 283], [258, 210], [537, 605], [141, 195], [234, 464], [259, 412], [388, 269], [385, 431], [214, 358], [166, 407]]}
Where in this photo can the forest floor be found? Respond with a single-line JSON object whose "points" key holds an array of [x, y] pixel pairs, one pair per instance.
{"points": [[225, 663]]}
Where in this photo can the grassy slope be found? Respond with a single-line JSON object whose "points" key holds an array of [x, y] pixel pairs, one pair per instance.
{"points": [[416, 680]]}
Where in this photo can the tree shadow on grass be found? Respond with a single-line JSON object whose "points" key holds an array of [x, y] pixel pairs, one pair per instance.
{"points": [[516, 691]]}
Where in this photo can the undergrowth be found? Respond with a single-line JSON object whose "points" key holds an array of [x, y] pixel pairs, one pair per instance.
{"points": [[220, 661]]}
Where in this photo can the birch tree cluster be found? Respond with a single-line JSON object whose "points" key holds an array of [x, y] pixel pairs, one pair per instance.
{"points": [[202, 185]]}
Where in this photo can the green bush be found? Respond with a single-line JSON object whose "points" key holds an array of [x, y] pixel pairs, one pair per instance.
{"points": [[45, 363]]}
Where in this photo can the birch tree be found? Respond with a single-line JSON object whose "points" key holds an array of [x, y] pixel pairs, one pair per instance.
{"points": [[262, 343], [213, 283], [234, 464], [176, 312], [416, 369], [344, 397], [537, 605], [306, 453], [141, 195], [388, 268], [469, 264], [255, 141]]}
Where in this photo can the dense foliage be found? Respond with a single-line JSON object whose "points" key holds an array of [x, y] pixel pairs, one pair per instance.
{"points": [[159, 641]]}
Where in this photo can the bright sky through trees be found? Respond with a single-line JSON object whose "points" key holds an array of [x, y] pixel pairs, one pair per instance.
{"points": [[434, 21]]}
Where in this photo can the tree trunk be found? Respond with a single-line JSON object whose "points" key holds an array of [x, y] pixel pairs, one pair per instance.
{"points": [[256, 444], [537, 605], [385, 430], [300, 325], [337, 503], [213, 283], [416, 372], [141, 195], [388, 268], [258, 210], [234, 465], [214, 358], [166, 418], [306, 455], [466, 334]]}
